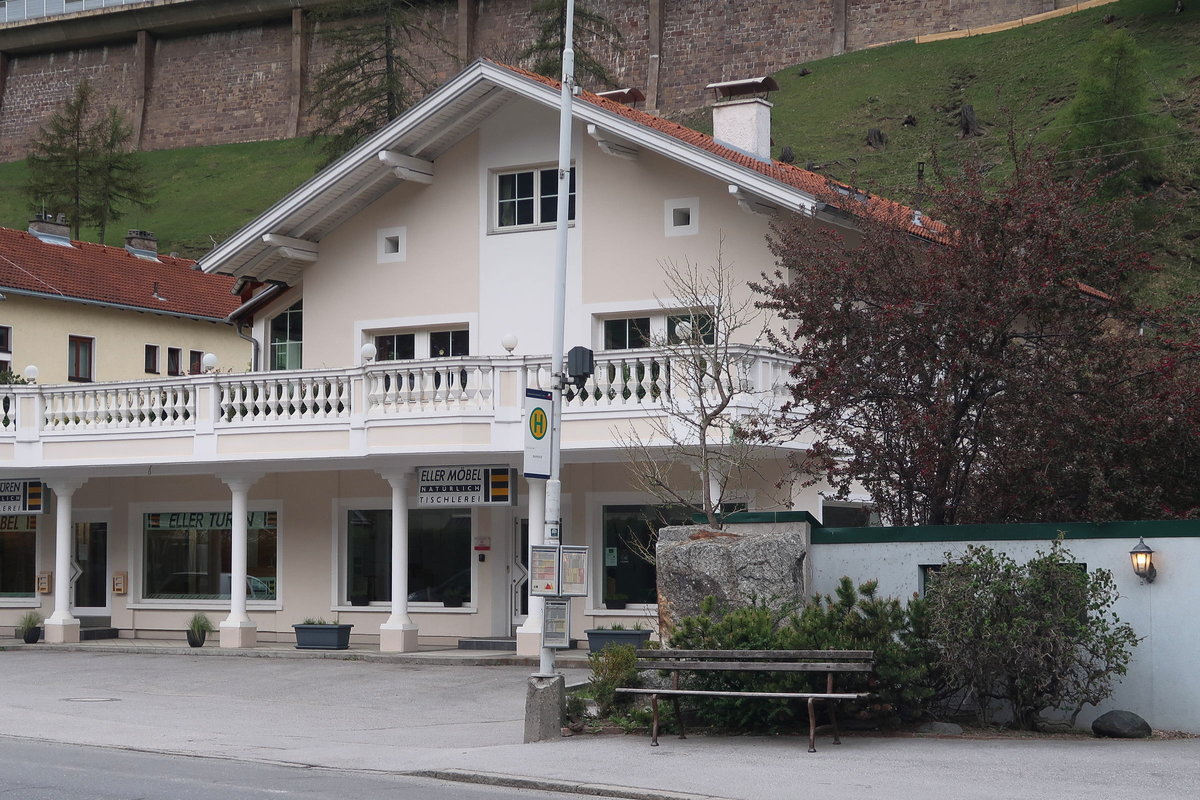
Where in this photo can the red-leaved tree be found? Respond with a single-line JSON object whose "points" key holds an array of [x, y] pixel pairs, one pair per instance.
{"points": [[986, 367]]}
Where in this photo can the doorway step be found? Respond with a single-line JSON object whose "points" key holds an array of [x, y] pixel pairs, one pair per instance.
{"points": [[93, 628]]}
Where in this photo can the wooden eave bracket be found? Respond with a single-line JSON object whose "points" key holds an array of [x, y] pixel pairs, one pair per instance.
{"points": [[407, 168], [751, 204], [611, 145]]}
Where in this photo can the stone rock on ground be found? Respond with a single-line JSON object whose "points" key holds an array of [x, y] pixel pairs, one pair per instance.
{"points": [[940, 728], [1121, 725], [735, 566]]}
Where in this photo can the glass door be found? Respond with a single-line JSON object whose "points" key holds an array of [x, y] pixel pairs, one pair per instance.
{"points": [[518, 571], [89, 569]]}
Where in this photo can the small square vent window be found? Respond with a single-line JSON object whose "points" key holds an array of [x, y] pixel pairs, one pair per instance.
{"points": [[393, 245], [681, 216]]}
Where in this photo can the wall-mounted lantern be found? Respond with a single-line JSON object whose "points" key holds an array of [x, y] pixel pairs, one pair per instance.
{"points": [[1143, 561]]}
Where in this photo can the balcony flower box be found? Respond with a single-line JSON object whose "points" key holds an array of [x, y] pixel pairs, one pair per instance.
{"points": [[322, 636]]}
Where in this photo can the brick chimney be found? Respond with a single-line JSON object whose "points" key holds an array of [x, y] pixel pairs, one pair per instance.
{"points": [[51, 229], [742, 115], [142, 244]]}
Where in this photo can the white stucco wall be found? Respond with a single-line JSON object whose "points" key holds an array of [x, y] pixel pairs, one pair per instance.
{"points": [[1160, 684]]}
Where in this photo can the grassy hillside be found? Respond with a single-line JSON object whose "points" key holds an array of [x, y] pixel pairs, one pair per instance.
{"points": [[201, 191], [1022, 78]]}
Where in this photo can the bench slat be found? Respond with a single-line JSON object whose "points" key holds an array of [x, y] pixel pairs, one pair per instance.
{"points": [[735, 666], [749, 655], [707, 693]]}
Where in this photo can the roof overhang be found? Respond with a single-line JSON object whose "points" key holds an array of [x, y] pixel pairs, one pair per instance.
{"points": [[407, 148]]}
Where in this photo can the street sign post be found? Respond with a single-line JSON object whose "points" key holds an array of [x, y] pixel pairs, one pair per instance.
{"points": [[539, 433]]}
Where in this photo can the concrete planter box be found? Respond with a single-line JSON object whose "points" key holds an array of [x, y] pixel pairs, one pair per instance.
{"points": [[598, 639], [322, 637]]}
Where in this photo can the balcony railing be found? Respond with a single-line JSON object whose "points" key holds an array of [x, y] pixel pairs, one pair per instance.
{"points": [[473, 389]]}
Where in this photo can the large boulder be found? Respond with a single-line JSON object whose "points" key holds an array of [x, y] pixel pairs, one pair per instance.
{"points": [[738, 565], [1121, 725]]}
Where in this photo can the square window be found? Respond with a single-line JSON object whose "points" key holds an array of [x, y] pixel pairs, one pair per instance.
{"points": [[152, 359], [396, 347], [681, 217], [80, 355], [393, 245]]}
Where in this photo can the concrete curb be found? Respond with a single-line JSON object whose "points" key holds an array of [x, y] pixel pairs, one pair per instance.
{"points": [[548, 785]]}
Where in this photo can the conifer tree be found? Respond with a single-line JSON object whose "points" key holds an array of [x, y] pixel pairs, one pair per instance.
{"points": [[594, 34]]}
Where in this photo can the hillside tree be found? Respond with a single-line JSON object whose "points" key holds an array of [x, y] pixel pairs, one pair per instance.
{"points": [[987, 367], [379, 66], [81, 163], [597, 43]]}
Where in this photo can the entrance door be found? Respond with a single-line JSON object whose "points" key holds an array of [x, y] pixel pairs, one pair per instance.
{"points": [[518, 571], [90, 566]]}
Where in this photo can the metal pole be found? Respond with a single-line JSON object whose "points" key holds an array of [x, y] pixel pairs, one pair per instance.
{"points": [[553, 484]]}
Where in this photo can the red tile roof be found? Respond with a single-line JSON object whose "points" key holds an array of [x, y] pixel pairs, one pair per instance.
{"points": [[818, 186], [111, 275]]}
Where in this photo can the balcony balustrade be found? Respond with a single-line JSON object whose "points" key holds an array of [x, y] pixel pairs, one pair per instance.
{"points": [[391, 394]]}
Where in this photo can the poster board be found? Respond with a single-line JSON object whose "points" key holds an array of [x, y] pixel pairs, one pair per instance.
{"points": [[573, 579]]}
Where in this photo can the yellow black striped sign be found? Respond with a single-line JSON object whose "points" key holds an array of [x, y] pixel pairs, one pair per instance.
{"points": [[22, 497]]}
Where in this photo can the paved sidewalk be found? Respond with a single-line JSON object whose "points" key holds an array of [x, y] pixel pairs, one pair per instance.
{"points": [[465, 722]]}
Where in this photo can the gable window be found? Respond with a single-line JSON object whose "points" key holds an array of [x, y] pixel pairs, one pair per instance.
{"points": [[626, 334], [287, 337], [174, 361], [195, 361], [529, 198], [152, 359], [681, 217], [5, 348], [80, 354]]}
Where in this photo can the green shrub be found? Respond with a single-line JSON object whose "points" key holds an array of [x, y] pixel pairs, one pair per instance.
{"points": [[1030, 636], [614, 666]]}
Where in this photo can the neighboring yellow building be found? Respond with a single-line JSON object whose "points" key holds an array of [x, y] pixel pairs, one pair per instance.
{"points": [[83, 312]]}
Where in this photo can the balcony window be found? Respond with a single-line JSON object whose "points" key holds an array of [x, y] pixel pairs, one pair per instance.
{"points": [[422, 344], [446, 344], [188, 556], [80, 355], [18, 549], [626, 334], [195, 362], [287, 338], [152, 359], [439, 556], [5, 348], [174, 361]]}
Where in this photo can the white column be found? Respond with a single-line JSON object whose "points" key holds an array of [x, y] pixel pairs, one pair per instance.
{"points": [[529, 635], [62, 627], [238, 631], [399, 633]]}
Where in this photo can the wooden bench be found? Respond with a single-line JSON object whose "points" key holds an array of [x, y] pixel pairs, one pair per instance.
{"points": [[827, 661]]}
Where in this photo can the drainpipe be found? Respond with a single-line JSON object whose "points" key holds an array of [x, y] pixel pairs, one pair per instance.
{"points": [[254, 347]]}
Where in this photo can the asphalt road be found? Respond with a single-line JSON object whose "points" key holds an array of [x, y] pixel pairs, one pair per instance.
{"points": [[50, 771]]}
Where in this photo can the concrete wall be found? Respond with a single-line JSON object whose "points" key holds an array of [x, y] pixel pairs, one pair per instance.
{"points": [[203, 80], [1160, 684]]}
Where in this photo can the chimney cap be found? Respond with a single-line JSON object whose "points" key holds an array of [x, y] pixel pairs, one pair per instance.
{"points": [[739, 88], [624, 96]]}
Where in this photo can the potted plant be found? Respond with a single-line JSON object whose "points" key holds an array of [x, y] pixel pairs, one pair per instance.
{"points": [[602, 637], [317, 634], [199, 626], [30, 627], [616, 601]]}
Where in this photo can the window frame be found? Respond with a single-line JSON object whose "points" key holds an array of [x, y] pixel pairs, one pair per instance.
{"points": [[536, 198], [195, 362], [422, 341], [151, 359], [174, 361], [293, 315], [75, 368], [31, 549]]}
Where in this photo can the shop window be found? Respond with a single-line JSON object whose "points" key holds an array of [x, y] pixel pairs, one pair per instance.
{"points": [[188, 556], [629, 536], [152, 359], [439, 556], [80, 355], [529, 198], [287, 338], [18, 549]]}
